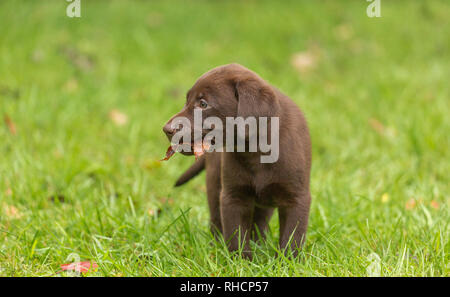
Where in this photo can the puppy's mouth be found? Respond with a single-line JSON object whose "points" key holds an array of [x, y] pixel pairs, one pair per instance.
{"points": [[183, 147], [196, 148]]}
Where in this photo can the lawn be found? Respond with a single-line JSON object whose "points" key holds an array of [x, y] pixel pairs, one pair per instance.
{"points": [[83, 102]]}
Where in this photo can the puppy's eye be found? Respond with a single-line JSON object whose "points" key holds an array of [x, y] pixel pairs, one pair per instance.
{"points": [[203, 104]]}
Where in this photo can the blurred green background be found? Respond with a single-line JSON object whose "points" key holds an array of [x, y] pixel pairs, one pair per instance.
{"points": [[83, 101]]}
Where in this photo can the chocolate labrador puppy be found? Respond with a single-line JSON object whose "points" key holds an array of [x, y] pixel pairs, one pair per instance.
{"points": [[242, 191]]}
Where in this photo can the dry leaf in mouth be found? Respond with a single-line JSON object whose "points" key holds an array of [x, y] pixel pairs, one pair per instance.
{"points": [[200, 148], [169, 153]]}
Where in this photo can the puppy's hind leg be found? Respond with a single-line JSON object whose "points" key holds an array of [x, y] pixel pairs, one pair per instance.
{"points": [[293, 223]]}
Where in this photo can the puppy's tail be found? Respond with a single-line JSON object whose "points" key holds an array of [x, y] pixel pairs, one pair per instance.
{"points": [[195, 169]]}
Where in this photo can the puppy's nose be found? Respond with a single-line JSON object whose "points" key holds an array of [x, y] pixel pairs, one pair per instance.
{"points": [[168, 130]]}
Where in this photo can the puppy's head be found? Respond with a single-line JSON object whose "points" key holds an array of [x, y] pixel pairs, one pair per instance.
{"points": [[226, 91]]}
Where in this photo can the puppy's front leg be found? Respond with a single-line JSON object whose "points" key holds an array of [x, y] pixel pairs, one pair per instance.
{"points": [[237, 215], [294, 222]]}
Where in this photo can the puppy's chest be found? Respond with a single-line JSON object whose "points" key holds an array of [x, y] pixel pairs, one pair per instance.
{"points": [[267, 184], [265, 190], [272, 193]]}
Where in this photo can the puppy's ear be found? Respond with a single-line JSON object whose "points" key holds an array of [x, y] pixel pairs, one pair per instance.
{"points": [[255, 98]]}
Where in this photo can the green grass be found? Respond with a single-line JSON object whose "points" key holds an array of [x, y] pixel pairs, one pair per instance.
{"points": [[377, 102]]}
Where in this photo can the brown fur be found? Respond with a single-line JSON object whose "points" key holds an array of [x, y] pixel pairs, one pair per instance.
{"points": [[242, 191]]}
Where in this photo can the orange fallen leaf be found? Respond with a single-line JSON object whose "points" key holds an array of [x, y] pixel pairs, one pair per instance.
{"points": [[382, 129], [118, 117], [12, 212], [82, 267], [410, 204], [434, 204], [377, 126], [10, 125], [304, 62]]}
